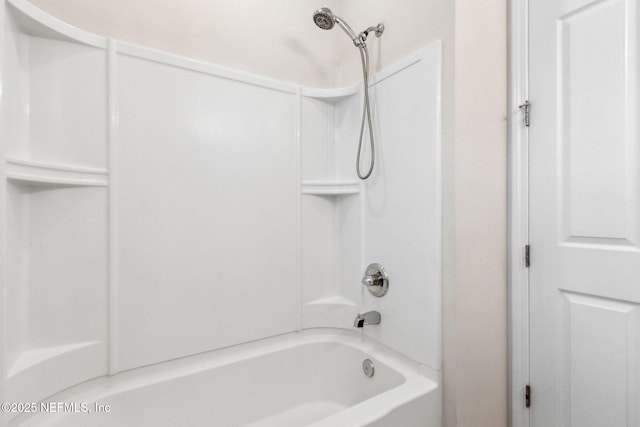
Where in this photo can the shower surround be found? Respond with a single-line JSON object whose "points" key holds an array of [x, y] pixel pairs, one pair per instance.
{"points": [[157, 208]]}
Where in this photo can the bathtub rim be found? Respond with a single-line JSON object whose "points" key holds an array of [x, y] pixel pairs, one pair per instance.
{"points": [[418, 380]]}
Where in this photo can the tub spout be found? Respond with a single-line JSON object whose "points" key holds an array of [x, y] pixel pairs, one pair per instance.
{"points": [[368, 318]]}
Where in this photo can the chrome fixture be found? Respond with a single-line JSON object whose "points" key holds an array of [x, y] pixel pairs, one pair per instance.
{"points": [[368, 318], [368, 368], [326, 20], [376, 280]]}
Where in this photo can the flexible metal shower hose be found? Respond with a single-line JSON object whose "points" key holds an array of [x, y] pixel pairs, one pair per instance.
{"points": [[366, 113]]}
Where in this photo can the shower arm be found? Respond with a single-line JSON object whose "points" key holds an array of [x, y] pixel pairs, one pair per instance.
{"points": [[360, 39], [378, 29]]}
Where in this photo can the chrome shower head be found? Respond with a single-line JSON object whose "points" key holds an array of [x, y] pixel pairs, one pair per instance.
{"points": [[324, 18]]}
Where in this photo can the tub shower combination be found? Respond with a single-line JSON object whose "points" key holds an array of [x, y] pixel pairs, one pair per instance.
{"points": [[154, 280]]}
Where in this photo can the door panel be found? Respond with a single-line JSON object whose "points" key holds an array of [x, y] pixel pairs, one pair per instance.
{"points": [[598, 354], [591, 66], [584, 213]]}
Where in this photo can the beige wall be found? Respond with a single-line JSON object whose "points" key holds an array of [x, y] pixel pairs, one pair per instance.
{"points": [[275, 39], [410, 24], [480, 205], [278, 40]]}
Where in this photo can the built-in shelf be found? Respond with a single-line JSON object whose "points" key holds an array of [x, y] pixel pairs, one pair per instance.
{"points": [[32, 358], [332, 312], [330, 188], [332, 96], [37, 373], [334, 300], [55, 174], [36, 22]]}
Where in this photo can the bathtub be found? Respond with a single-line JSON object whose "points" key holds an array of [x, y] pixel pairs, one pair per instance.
{"points": [[310, 378]]}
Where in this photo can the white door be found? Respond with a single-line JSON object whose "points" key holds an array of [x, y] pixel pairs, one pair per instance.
{"points": [[584, 149]]}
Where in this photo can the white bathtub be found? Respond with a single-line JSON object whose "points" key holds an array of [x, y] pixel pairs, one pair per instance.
{"points": [[299, 379]]}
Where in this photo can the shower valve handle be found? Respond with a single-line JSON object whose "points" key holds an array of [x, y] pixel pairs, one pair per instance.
{"points": [[376, 280]]}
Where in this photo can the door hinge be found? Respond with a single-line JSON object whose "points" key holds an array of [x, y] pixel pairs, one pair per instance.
{"points": [[527, 256], [526, 108], [527, 396]]}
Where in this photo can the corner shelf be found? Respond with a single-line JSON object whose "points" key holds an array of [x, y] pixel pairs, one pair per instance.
{"points": [[330, 188], [36, 374], [334, 300], [32, 358], [53, 174], [34, 21], [331, 96], [331, 312]]}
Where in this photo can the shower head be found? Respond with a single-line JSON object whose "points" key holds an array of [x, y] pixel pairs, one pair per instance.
{"points": [[324, 18]]}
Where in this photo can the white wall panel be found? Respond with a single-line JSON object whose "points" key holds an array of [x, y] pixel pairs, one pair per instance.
{"points": [[319, 276], [348, 117], [15, 95], [67, 285], [403, 208], [317, 151], [57, 285], [207, 206], [54, 146], [67, 103], [394, 217], [348, 258], [15, 289]]}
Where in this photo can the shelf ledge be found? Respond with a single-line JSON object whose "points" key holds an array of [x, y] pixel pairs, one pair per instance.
{"points": [[333, 95], [36, 22], [32, 358], [334, 300], [41, 372], [55, 174], [326, 188], [331, 312]]}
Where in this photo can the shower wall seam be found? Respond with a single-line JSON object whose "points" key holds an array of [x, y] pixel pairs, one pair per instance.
{"points": [[298, 137], [3, 217], [112, 212]]}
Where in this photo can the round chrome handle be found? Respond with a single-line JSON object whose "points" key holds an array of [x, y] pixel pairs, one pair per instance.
{"points": [[371, 280], [376, 280]]}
